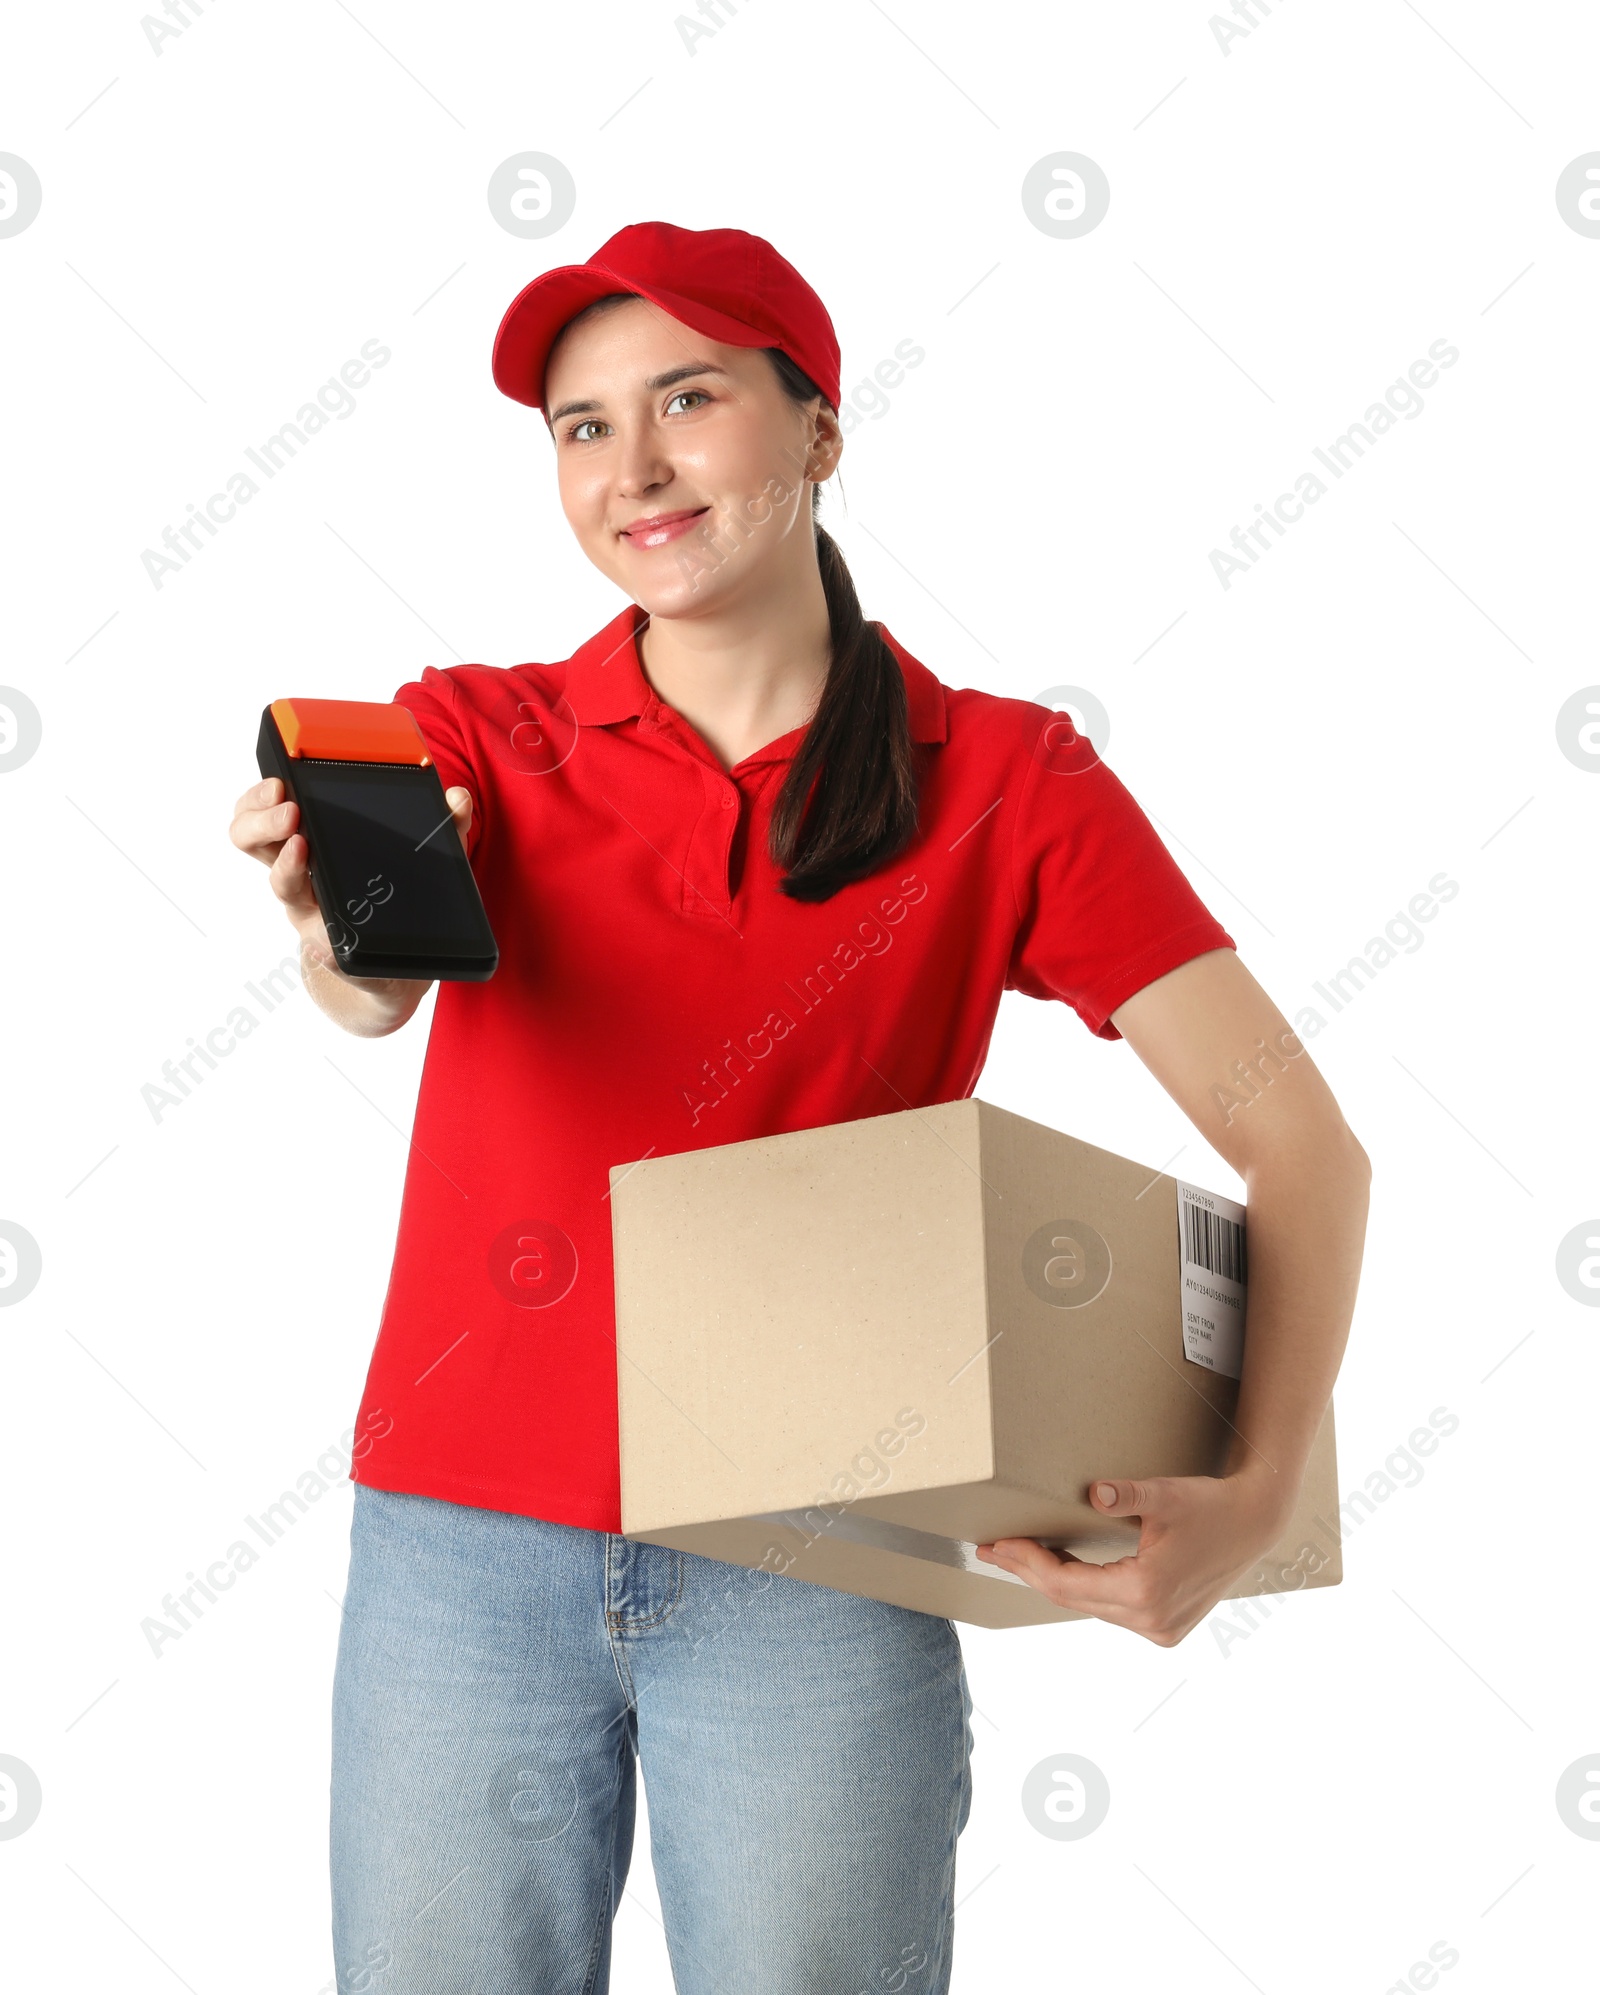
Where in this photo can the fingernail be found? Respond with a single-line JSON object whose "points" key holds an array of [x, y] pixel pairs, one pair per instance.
{"points": [[1106, 1493]]}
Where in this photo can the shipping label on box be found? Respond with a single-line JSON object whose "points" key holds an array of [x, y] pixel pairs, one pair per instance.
{"points": [[1211, 1254]]}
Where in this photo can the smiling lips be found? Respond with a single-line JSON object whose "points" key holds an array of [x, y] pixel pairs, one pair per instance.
{"points": [[659, 528]]}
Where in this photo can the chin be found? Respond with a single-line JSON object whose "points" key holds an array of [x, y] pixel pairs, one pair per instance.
{"points": [[675, 594]]}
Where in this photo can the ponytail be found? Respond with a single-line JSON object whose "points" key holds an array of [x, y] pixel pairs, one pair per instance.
{"points": [[849, 802]]}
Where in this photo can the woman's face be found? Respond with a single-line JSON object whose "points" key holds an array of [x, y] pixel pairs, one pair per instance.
{"points": [[652, 420]]}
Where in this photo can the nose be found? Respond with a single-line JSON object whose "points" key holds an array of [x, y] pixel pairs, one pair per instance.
{"points": [[642, 464]]}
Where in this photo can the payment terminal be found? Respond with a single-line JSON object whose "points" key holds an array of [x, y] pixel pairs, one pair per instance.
{"points": [[396, 890]]}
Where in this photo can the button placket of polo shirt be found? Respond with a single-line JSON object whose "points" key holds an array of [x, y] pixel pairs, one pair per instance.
{"points": [[703, 883], [705, 888]]}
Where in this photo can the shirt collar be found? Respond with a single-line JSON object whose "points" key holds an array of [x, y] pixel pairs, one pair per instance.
{"points": [[606, 683]]}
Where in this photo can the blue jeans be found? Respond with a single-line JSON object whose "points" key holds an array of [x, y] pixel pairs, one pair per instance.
{"points": [[806, 1752]]}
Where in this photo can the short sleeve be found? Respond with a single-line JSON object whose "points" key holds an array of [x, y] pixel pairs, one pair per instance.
{"points": [[1103, 908], [432, 699]]}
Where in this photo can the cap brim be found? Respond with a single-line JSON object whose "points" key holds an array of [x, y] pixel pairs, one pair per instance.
{"points": [[535, 317]]}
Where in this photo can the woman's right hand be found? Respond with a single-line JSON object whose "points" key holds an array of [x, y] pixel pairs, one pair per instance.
{"points": [[265, 825]]}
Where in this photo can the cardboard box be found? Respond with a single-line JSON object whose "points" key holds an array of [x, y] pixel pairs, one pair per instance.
{"points": [[853, 1353]]}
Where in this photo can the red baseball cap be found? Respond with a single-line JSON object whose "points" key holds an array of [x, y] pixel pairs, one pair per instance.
{"points": [[728, 285]]}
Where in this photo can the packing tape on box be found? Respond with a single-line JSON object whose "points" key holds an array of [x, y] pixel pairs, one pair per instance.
{"points": [[901, 1538]]}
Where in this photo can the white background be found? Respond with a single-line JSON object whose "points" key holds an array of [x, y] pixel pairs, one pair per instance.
{"points": [[1292, 223]]}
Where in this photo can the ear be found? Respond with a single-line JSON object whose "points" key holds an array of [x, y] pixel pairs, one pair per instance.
{"points": [[822, 460]]}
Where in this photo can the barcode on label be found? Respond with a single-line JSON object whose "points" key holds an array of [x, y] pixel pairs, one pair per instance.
{"points": [[1211, 1281], [1212, 1242]]}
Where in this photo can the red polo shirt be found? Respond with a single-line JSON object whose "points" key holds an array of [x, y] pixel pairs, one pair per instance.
{"points": [[657, 993]]}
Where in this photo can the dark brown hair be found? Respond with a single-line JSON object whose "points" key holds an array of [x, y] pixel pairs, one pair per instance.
{"points": [[849, 801]]}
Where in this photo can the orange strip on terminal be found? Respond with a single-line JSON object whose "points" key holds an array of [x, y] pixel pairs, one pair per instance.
{"points": [[351, 731]]}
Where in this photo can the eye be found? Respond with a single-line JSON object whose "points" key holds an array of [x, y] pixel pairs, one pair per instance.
{"points": [[573, 432]]}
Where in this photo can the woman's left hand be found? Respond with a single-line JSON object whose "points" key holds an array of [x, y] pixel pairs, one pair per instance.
{"points": [[1198, 1534]]}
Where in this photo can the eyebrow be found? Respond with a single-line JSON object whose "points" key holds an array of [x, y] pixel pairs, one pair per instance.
{"points": [[667, 380]]}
